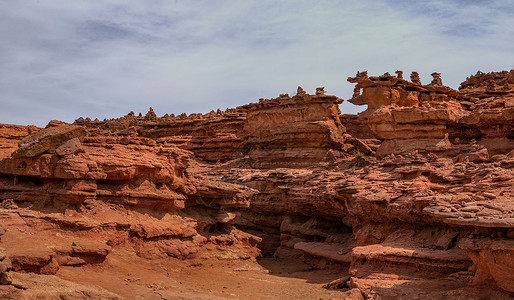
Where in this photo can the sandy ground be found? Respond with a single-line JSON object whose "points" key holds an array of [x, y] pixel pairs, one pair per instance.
{"points": [[212, 274], [208, 277]]}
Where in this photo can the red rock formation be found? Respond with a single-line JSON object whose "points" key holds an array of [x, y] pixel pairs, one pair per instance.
{"points": [[10, 135], [111, 183], [489, 98], [412, 197], [409, 116], [213, 137], [294, 131]]}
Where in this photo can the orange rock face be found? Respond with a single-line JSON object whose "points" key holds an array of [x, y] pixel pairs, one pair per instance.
{"points": [[114, 182], [10, 135], [293, 131], [413, 196], [409, 116]]}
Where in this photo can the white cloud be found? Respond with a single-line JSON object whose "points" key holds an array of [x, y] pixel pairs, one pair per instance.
{"points": [[65, 59]]}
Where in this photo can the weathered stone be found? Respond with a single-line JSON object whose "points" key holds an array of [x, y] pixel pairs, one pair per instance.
{"points": [[72, 146], [47, 140], [6, 278], [391, 195]]}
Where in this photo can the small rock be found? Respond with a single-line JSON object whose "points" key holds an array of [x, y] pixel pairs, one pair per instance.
{"points": [[8, 204], [3, 267], [91, 248], [72, 146], [337, 284], [489, 195], [467, 215], [6, 278], [473, 209]]}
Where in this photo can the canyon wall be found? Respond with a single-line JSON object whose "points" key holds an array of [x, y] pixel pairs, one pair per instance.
{"points": [[127, 189], [411, 197]]}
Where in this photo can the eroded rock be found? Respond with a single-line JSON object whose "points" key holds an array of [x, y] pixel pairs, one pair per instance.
{"points": [[414, 194]]}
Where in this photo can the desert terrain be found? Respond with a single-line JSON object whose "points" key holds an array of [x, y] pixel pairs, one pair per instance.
{"points": [[284, 198]]}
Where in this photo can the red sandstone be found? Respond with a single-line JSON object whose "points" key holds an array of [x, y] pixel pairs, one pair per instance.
{"points": [[411, 198]]}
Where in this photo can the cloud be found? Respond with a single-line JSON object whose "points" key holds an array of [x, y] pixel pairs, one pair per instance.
{"points": [[62, 59]]}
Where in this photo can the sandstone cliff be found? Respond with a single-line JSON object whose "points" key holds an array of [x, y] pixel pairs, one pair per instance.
{"points": [[411, 197]]}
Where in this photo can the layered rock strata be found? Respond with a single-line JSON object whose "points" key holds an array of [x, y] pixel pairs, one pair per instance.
{"points": [[212, 137], [10, 135], [293, 131], [127, 190], [411, 197], [409, 116]]}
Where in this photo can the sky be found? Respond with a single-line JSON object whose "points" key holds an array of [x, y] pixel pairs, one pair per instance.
{"points": [[62, 59]]}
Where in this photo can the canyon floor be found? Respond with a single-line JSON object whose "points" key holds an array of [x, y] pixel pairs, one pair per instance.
{"points": [[207, 279], [213, 274]]}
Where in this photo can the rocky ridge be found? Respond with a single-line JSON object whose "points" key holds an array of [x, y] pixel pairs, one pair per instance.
{"points": [[411, 197]]}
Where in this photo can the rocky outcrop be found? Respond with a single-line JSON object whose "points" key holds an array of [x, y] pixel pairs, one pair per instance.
{"points": [[411, 197], [410, 211], [409, 216], [301, 130], [489, 98], [10, 135], [493, 261], [294, 131], [212, 137], [408, 116], [126, 190]]}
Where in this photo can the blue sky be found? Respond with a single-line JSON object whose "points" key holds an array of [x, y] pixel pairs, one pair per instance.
{"points": [[66, 59]]}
